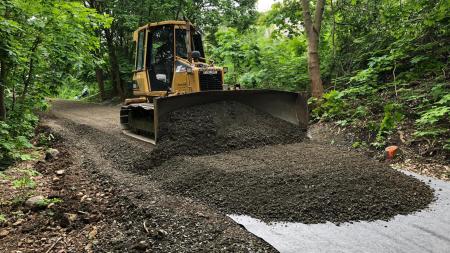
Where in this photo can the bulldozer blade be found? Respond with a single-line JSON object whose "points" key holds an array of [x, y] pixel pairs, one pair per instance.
{"points": [[137, 121], [289, 106]]}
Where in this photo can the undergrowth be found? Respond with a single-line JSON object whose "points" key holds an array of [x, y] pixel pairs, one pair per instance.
{"points": [[420, 108], [15, 135]]}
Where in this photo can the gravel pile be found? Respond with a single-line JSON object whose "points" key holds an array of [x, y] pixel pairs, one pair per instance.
{"points": [[303, 182], [219, 127], [208, 153]]}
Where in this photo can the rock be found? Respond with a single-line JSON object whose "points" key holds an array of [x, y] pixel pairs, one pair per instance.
{"points": [[141, 246], [35, 202], [51, 153], [200, 214], [71, 217], [88, 247], [60, 172], [4, 233], [93, 233], [158, 233], [18, 222]]}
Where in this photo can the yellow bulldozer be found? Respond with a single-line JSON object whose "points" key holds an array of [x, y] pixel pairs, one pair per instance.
{"points": [[172, 72]]}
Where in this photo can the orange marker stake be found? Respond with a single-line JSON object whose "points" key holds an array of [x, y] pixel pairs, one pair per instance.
{"points": [[390, 152]]}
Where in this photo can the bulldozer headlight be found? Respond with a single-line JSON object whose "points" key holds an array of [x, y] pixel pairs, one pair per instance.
{"points": [[225, 70]]}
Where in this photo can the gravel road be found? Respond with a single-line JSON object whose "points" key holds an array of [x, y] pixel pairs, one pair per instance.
{"points": [[185, 199], [176, 223]]}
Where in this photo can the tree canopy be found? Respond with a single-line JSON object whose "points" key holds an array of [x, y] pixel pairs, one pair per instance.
{"points": [[44, 44]]}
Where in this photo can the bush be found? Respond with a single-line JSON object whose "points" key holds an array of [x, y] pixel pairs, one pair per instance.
{"points": [[392, 117], [331, 106], [433, 121], [14, 136]]}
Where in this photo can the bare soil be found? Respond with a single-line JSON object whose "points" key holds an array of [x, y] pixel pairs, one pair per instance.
{"points": [[130, 198]]}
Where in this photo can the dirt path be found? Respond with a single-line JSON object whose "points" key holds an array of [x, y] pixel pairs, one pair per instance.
{"points": [[181, 206], [101, 117]]}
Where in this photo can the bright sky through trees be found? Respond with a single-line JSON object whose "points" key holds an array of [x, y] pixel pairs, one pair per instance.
{"points": [[264, 5]]}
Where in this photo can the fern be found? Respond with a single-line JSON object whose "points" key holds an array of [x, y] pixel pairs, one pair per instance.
{"points": [[433, 115]]}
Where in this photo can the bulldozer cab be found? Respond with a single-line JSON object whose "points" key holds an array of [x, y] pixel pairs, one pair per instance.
{"points": [[163, 54]]}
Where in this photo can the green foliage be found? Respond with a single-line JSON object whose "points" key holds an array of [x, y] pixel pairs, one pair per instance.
{"points": [[390, 67], [387, 65], [44, 139], [432, 132], [72, 89], [14, 136], [358, 144], [258, 59], [392, 117], [361, 112], [433, 115], [30, 172], [332, 106], [2, 218], [433, 120], [3, 176], [43, 45], [447, 145], [47, 201], [23, 183]]}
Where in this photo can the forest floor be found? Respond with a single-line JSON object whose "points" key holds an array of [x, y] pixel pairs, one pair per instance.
{"points": [[113, 200]]}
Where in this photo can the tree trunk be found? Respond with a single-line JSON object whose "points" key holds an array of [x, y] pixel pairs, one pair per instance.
{"points": [[114, 65], [97, 53], [312, 32], [27, 79], [101, 83], [3, 77], [333, 42]]}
